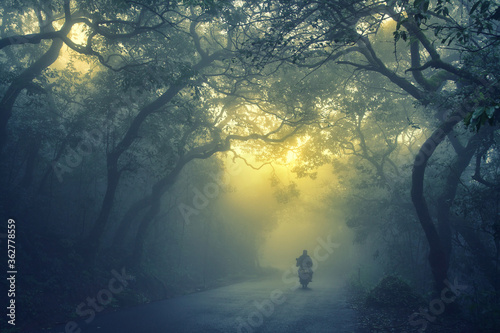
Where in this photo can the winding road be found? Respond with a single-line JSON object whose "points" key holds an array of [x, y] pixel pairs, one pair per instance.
{"points": [[268, 305]]}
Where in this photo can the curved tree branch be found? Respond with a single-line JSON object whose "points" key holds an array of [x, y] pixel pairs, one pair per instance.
{"points": [[438, 258]]}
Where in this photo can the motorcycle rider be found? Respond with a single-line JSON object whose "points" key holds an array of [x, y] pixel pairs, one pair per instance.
{"points": [[305, 262]]}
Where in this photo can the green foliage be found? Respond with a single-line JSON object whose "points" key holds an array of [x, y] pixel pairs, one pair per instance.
{"points": [[290, 64], [285, 193], [392, 291], [481, 116], [480, 28]]}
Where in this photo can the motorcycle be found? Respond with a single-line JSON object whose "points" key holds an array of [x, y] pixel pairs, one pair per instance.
{"points": [[305, 270], [305, 276]]}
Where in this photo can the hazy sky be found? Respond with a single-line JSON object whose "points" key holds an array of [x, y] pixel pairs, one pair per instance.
{"points": [[297, 224]]}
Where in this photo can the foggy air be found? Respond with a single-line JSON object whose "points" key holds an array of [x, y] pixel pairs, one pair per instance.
{"points": [[250, 166]]}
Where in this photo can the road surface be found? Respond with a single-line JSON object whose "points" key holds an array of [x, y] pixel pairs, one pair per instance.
{"points": [[269, 305]]}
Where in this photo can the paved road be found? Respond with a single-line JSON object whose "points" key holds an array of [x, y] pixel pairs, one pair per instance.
{"points": [[269, 305]]}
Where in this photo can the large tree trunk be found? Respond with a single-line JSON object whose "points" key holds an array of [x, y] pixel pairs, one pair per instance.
{"points": [[445, 200], [91, 244], [474, 242], [128, 139], [438, 258], [155, 204], [93, 241], [200, 152]]}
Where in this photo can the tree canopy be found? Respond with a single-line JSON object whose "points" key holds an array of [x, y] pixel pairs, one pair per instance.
{"points": [[111, 111]]}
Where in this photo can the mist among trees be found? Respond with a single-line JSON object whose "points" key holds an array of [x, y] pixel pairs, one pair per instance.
{"points": [[197, 144]]}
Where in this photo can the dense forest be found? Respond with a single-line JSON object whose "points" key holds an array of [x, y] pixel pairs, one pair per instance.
{"points": [[192, 144]]}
